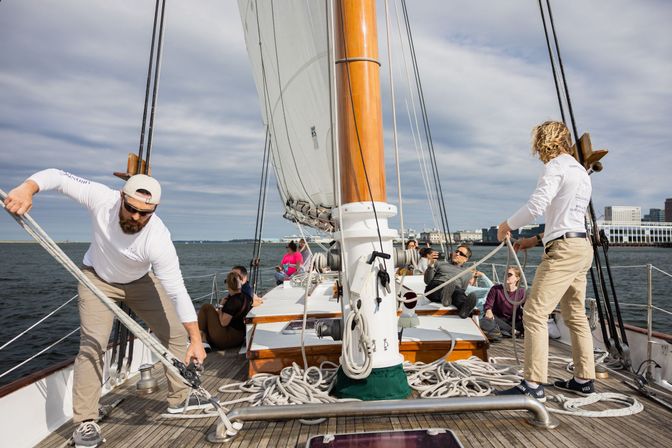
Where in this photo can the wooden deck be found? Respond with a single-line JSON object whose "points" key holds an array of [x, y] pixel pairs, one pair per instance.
{"points": [[135, 423]]}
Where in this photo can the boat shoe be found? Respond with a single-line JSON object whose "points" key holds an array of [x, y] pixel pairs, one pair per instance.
{"points": [[87, 435], [524, 389], [572, 385]]}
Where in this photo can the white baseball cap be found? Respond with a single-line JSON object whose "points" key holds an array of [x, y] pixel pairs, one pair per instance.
{"points": [[143, 182]]}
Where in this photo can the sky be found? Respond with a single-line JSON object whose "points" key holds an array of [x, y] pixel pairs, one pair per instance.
{"points": [[73, 74]]}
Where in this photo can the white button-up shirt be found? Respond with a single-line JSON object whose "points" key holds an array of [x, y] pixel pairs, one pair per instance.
{"points": [[562, 196]]}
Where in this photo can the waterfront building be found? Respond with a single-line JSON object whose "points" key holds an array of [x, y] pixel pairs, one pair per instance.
{"points": [[668, 210], [623, 214], [643, 234], [432, 236], [467, 236]]}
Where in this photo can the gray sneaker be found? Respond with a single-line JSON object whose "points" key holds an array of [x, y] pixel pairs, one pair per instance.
{"points": [[87, 435], [195, 402]]}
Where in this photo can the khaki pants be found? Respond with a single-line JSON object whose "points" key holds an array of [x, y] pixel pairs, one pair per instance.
{"points": [[148, 300], [560, 278]]}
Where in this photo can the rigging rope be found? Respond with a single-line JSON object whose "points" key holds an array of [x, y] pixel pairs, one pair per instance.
{"points": [[155, 90], [394, 124], [40, 352], [37, 323], [415, 130], [270, 120], [261, 209], [428, 133], [597, 237]]}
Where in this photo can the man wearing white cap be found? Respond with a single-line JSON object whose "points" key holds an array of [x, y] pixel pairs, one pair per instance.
{"points": [[131, 259]]}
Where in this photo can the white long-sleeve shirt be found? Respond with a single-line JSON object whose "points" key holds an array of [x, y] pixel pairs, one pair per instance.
{"points": [[118, 257], [562, 196]]}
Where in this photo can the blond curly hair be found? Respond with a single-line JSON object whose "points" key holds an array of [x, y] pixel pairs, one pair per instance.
{"points": [[550, 139]]}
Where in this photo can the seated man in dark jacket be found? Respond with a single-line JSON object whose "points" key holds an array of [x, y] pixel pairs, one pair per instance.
{"points": [[453, 293]]}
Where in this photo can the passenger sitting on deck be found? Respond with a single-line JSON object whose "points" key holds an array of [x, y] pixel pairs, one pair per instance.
{"points": [[223, 326], [500, 309], [453, 293], [246, 288], [290, 264]]}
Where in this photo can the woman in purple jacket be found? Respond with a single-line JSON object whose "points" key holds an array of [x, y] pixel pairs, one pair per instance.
{"points": [[500, 308]]}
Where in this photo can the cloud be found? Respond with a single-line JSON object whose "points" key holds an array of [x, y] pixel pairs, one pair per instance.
{"points": [[72, 85]]}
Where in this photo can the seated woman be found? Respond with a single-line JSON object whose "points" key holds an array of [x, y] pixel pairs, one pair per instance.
{"points": [[498, 309], [290, 264], [223, 327]]}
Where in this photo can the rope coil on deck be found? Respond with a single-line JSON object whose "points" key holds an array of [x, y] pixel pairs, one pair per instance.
{"points": [[572, 406]]}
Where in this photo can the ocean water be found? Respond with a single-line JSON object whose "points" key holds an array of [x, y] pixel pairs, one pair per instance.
{"points": [[32, 284]]}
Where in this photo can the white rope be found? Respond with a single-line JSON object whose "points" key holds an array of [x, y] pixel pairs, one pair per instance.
{"points": [[292, 386], [415, 129], [350, 367], [306, 296], [37, 323], [463, 378], [572, 406], [39, 353]]}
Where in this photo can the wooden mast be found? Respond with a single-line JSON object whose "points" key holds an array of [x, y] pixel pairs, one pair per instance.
{"points": [[376, 372], [359, 106]]}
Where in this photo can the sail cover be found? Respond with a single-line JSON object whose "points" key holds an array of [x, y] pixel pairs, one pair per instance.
{"points": [[287, 42]]}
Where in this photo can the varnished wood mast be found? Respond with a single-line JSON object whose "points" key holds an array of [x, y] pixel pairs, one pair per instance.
{"points": [[359, 106]]}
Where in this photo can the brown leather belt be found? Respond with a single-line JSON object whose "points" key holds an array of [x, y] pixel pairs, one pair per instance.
{"points": [[569, 235]]}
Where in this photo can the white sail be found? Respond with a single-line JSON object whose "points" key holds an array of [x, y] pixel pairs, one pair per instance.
{"points": [[287, 43]]}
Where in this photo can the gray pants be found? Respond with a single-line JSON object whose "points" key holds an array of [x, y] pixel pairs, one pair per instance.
{"points": [[148, 300]]}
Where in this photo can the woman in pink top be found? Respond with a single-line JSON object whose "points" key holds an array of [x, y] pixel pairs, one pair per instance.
{"points": [[291, 261]]}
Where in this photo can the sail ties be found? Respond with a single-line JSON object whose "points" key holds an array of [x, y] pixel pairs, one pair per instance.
{"points": [[303, 212]]}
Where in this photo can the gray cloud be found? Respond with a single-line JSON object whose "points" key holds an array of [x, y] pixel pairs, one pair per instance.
{"points": [[73, 77]]}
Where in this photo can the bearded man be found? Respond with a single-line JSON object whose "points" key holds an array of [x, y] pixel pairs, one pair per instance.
{"points": [[131, 259]]}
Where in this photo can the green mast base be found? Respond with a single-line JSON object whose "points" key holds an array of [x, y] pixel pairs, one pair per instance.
{"points": [[388, 383]]}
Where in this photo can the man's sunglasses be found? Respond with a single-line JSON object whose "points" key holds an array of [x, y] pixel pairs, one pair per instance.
{"points": [[461, 253], [132, 210]]}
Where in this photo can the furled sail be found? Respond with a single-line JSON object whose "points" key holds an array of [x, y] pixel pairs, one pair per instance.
{"points": [[287, 43]]}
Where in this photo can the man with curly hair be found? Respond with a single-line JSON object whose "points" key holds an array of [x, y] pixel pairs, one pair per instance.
{"points": [[562, 195]]}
